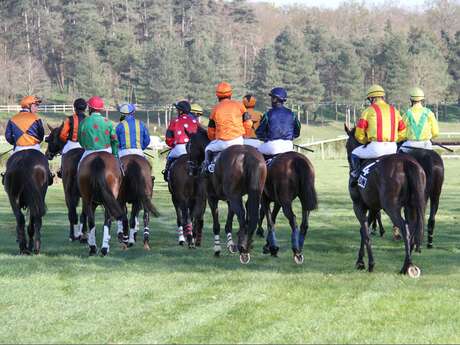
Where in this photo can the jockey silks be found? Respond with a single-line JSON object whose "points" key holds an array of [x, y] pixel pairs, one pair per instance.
{"points": [[132, 134], [24, 129], [421, 123], [96, 133], [228, 120], [255, 118], [279, 123], [69, 129], [380, 122], [178, 129]]}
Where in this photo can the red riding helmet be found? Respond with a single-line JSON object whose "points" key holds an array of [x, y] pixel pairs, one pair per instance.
{"points": [[96, 103]]}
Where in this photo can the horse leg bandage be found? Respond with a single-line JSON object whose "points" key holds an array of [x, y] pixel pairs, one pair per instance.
{"points": [[229, 240], [271, 239], [92, 237], [106, 238], [119, 226], [217, 247], [77, 230], [301, 240], [295, 239], [131, 235], [188, 229]]}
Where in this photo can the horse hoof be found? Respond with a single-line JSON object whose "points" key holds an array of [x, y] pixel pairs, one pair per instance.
{"points": [[429, 245], [124, 246], [130, 244], [104, 251], [146, 246], [299, 259], [232, 249], [360, 266], [217, 254], [25, 252], [274, 251], [245, 258], [413, 271], [396, 233], [92, 250], [266, 249], [83, 240], [120, 237], [260, 232], [181, 243]]}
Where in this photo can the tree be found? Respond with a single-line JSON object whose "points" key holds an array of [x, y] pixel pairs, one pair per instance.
{"points": [[350, 81]]}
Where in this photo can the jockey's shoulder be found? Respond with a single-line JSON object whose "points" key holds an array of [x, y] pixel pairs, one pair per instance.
{"points": [[24, 116]]}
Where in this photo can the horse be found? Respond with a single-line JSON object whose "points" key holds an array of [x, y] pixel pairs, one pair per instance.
{"points": [[290, 175], [239, 170], [188, 194], [26, 183], [137, 188], [77, 230], [398, 183], [99, 180]]}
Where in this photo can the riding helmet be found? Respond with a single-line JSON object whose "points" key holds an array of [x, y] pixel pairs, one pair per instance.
{"points": [[279, 93], [96, 103], [223, 90], [80, 104], [27, 101], [183, 106], [126, 108]]}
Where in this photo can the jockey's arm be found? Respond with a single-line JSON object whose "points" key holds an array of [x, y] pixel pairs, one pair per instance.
{"points": [[247, 124], [9, 133], [145, 137], [261, 131], [402, 133], [113, 141], [64, 134], [211, 127], [434, 125], [38, 129], [361, 129], [297, 127], [169, 137]]}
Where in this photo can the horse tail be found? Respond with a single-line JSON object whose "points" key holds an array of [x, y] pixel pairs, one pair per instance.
{"points": [[138, 187], [20, 184], [99, 187], [307, 192], [416, 180], [255, 191]]}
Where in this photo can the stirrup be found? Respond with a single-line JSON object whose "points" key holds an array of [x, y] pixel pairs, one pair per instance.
{"points": [[3, 178], [165, 175]]}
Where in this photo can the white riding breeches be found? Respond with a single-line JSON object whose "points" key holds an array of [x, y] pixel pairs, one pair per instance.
{"points": [[70, 145], [126, 152], [375, 149], [220, 145], [423, 144], [252, 142], [177, 151], [88, 152], [23, 148], [275, 147]]}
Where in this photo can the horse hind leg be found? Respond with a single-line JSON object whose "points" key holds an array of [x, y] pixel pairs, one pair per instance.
{"points": [[36, 226], [30, 232], [146, 229], [83, 227], [20, 230], [90, 210], [360, 212], [295, 233], [434, 203], [74, 226], [135, 209], [105, 248], [236, 205], [271, 246], [213, 205], [231, 247]]}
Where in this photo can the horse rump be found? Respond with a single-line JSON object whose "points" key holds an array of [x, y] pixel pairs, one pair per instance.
{"points": [[101, 190], [306, 175]]}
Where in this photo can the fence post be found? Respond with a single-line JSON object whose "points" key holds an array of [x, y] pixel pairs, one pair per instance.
{"points": [[307, 117], [336, 113], [148, 119]]}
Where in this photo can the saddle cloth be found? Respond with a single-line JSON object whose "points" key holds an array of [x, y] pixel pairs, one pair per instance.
{"points": [[368, 166]]}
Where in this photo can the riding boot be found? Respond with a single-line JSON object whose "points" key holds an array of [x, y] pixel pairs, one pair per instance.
{"points": [[206, 162], [59, 173], [3, 178], [50, 178], [165, 172], [355, 166]]}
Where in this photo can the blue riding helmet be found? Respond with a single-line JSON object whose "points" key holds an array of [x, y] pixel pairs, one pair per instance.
{"points": [[126, 108], [279, 93]]}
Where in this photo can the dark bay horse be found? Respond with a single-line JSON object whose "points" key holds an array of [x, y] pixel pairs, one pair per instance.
{"points": [[188, 194], [99, 181], [240, 170], [26, 182], [77, 230], [398, 183], [290, 175], [137, 189]]}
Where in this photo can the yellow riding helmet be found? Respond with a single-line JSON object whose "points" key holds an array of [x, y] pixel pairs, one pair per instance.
{"points": [[197, 109], [375, 91], [416, 94]]}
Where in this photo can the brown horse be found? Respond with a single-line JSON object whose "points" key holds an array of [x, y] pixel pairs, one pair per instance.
{"points": [[239, 170], [397, 183], [99, 181], [136, 189], [188, 194], [69, 165], [26, 182], [290, 175]]}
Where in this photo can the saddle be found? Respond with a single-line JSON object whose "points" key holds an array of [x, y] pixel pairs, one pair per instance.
{"points": [[270, 158], [367, 166]]}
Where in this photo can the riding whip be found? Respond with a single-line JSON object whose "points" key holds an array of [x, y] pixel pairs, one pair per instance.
{"points": [[304, 148], [4, 153], [165, 151], [442, 146]]}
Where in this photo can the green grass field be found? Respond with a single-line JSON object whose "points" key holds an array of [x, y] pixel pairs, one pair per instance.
{"points": [[177, 295]]}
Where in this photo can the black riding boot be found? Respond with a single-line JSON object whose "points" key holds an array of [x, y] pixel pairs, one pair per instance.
{"points": [[50, 178], [166, 170], [206, 162], [355, 166], [59, 173], [3, 178]]}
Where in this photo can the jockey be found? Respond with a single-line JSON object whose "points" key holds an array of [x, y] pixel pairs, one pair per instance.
{"points": [[278, 127], [96, 133], [379, 128], [133, 136], [249, 102], [176, 135], [228, 122], [196, 111], [69, 131], [420, 122], [25, 129]]}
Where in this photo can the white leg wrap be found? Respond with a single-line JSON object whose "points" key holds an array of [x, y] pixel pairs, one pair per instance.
{"points": [[217, 247], [136, 227], [77, 230], [180, 234], [106, 238], [131, 235], [119, 226], [92, 237]]}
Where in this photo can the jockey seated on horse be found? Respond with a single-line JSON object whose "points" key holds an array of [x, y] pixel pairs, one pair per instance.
{"points": [[228, 122], [25, 129], [278, 127], [96, 133], [379, 128], [196, 111], [420, 122], [249, 101], [69, 131], [133, 136], [177, 134]]}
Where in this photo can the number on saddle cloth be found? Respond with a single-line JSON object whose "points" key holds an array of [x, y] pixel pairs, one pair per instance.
{"points": [[365, 171], [212, 164]]}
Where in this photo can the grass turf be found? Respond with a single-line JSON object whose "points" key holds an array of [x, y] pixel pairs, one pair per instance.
{"points": [[176, 295]]}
